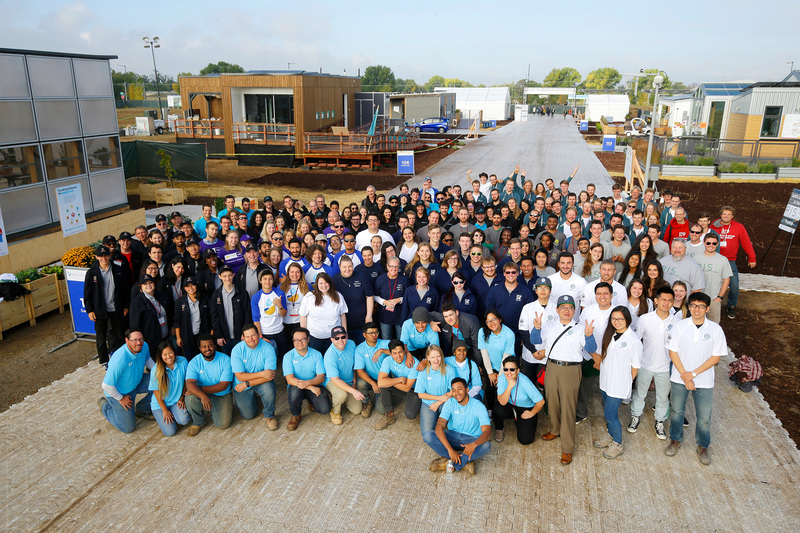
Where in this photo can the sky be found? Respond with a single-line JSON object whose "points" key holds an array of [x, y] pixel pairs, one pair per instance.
{"points": [[480, 42]]}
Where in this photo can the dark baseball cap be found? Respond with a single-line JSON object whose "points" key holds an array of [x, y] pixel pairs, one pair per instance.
{"points": [[267, 198], [338, 330], [208, 253], [190, 281], [125, 235], [102, 250], [192, 241], [161, 218], [145, 278], [175, 214], [544, 281], [250, 247], [109, 238], [226, 268]]}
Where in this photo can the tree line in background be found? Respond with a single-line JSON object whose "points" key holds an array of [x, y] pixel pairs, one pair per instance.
{"points": [[137, 84]]}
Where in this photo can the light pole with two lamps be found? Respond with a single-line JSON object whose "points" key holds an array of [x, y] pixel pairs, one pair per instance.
{"points": [[152, 45], [657, 81]]}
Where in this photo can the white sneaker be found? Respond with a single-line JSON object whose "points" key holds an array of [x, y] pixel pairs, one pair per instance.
{"points": [[660, 432]]}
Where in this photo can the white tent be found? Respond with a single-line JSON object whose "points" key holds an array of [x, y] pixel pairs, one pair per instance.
{"points": [[495, 102], [615, 107]]}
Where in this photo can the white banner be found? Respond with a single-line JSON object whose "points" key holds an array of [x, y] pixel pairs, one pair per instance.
{"points": [[791, 127], [3, 238], [791, 214], [70, 209]]}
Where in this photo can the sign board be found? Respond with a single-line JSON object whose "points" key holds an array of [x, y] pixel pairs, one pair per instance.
{"points": [[792, 213], [70, 209], [791, 127], [405, 162], [609, 143], [584, 125], [75, 277], [629, 165], [3, 238]]}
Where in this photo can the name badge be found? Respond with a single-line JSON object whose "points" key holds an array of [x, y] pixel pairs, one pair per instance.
{"points": [[162, 321]]}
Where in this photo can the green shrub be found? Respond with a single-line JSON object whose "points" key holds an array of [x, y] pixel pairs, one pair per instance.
{"points": [[752, 169], [679, 160], [737, 167], [767, 167], [27, 275], [796, 162], [54, 269], [219, 205], [704, 161]]}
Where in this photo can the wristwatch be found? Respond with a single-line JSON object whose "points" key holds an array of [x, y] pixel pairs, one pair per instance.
{"points": [[693, 376], [247, 384]]}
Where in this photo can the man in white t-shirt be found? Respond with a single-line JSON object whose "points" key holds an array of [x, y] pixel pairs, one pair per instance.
{"points": [[565, 281], [652, 329], [619, 296], [363, 238], [695, 345]]}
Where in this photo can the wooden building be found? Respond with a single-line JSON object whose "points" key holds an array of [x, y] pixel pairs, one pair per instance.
{"points": [[261, 117]]}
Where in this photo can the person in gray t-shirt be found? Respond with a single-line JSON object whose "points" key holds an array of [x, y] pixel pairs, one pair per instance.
{"points": [[717, 274], [679, 267]]}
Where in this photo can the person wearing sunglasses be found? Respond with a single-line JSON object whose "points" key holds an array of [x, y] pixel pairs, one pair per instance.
{"points": [[340, 377], [509, 298], [517, 398], [717, 274], [695, 245]]}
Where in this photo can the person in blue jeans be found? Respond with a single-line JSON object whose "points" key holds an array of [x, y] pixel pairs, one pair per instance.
{"points": [[462, 431], [208, 386], [124, 380], [433, 387], [254, 363], [304, 370], [167, 383]]}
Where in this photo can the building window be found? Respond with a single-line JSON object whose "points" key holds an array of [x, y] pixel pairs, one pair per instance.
{"points": [[19, 165], [772, 121], [64, 159], [103, 153]]}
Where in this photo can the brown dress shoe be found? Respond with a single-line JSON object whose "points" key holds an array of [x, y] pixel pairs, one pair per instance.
{"points": [[293, 423], [566, 458], [549, 436]]}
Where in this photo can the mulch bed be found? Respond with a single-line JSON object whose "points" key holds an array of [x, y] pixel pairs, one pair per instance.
{"points": [[613, 161]]}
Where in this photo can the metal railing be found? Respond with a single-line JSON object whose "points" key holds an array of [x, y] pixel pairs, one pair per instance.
{"points": [[728, 149], [357, 143], [263, 133], [200, 128]]}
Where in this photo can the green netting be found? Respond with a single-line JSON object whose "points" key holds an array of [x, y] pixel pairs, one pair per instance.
{"points": [[141, 159]]}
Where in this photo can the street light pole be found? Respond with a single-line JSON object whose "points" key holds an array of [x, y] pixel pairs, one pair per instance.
{"points": [[152, 45], [125, 83], [657, 81]]}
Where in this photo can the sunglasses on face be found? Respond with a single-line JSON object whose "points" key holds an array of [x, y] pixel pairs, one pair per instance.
{"points": [[509, 369], [339, 337], [458, 282]]}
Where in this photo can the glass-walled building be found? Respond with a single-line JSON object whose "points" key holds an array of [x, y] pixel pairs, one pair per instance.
{"points": [[58, 126]]}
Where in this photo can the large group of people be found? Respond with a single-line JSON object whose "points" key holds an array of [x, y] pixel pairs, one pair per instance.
{"points": [[468, 309]]}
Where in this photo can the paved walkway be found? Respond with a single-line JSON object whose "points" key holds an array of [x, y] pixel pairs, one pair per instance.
{"points": [[66, 469], [544, 147]]}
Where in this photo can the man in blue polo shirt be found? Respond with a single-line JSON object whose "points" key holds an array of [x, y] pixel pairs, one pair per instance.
{"points": [[462, 431], [398, 379], [340, 377], [208, 387], [254, 363], [304, 370], [124, 379], [368, 358], [417, 333], [509, 298]]}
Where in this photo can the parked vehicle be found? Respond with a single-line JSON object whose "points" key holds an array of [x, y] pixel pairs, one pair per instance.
{"points": [[438, 124], [637, 126]]}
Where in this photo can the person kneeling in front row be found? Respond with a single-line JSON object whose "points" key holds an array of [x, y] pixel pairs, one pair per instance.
{"points": [[397, 379], [304, 370], [518, 398], [168, 384], [208, 386], [462, 431]]}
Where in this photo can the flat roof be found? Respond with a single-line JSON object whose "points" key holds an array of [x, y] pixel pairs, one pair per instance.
{"points": [[53, 54], [274, 73], [783, 84]]}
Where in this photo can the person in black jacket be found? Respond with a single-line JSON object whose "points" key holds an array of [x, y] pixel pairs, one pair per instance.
{"points": [[246, 279], [207, 275], [148, 313], [230, 311], [194, 259], [128, 257], [106, 296], [192, 318]]}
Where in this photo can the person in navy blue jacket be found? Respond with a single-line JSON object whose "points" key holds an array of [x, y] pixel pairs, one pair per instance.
{"points": [[389, 292], [509, 298], [460, 296], [230, 311], [420, 295]]}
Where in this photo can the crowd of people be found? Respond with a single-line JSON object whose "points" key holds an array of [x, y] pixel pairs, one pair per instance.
{"points": [[468, 308]]}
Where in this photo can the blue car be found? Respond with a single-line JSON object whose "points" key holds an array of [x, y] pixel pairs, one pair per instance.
{"points": [[438, 124]]}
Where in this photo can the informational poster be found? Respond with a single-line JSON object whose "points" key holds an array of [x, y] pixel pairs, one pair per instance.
{"points": [[405, 162], [791, 127], [792, 213], [584, 125], [3, 239], [609, 143], [70, 209]]}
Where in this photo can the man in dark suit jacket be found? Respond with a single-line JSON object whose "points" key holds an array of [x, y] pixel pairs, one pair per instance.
{"points": [[454, 325], [230, 311], [106, 297]]}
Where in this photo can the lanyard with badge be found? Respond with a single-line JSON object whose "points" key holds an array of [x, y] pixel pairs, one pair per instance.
{"points": [[392, 290]]}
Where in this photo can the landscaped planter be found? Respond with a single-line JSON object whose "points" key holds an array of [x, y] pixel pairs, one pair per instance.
{"points": [[746, 176], [688, 170], [788, 172], [45, 296], [170, 196], [147, 191], [14, 313]]}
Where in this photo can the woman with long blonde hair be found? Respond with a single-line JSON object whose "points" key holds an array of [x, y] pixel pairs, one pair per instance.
{"points": [[433, 388]]}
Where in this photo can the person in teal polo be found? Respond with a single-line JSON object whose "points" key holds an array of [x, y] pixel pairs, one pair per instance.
{"points": [[208, 385], [304, 370]]}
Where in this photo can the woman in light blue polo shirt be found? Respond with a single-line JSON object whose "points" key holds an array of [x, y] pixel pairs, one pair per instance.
{"points": [[517, 398], [167, 381], [433, 387], [496, 342]]}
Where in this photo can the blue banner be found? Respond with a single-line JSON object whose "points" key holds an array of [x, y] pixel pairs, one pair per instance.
{"points": [[584, 125], [81, 323], [609, 143], [405, 162]]}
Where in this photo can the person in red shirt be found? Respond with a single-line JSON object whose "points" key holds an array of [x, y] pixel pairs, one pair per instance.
{"points": [[732, 235], [678, 227]]}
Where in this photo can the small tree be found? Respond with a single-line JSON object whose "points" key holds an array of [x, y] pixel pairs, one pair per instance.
{"points": [[166, 166]]}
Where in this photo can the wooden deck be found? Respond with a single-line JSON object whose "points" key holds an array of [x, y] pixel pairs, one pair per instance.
{"points": [[67, 469]]}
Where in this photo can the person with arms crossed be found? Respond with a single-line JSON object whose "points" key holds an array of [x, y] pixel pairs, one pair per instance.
{"points": [[340, 379], [304, 370], [208, 387], [254, 364]]}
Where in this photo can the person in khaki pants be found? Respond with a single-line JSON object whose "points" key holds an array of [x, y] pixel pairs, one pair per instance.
{"points": [[340, 377], [563, 344]]}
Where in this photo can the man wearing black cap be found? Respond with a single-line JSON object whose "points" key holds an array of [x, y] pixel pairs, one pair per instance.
{"points": [[208, 276], [131, 259], [248, 275], [230, 311], [193, 256], [176, 219], [161, 225], [106, 297], [192, 318], [269, 207], [176, 248], [150, 313]]}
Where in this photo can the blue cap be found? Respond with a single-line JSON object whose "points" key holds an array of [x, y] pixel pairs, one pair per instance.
{"points": [[544, 281], [565, 299]]}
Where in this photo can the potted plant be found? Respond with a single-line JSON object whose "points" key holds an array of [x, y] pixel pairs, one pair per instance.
{"points": [[682, 166], [790, 169], [148, 189], [169, 195]]}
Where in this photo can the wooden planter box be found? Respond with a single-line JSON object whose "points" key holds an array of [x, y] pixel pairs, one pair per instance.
{"points": [[788, 172], [147, 191], [688, 170], [746, 176], [14, 313], [170, 196], [45, 296]]}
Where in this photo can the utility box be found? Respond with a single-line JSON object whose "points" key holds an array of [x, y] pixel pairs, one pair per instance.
{"points": [[145, 126]]}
